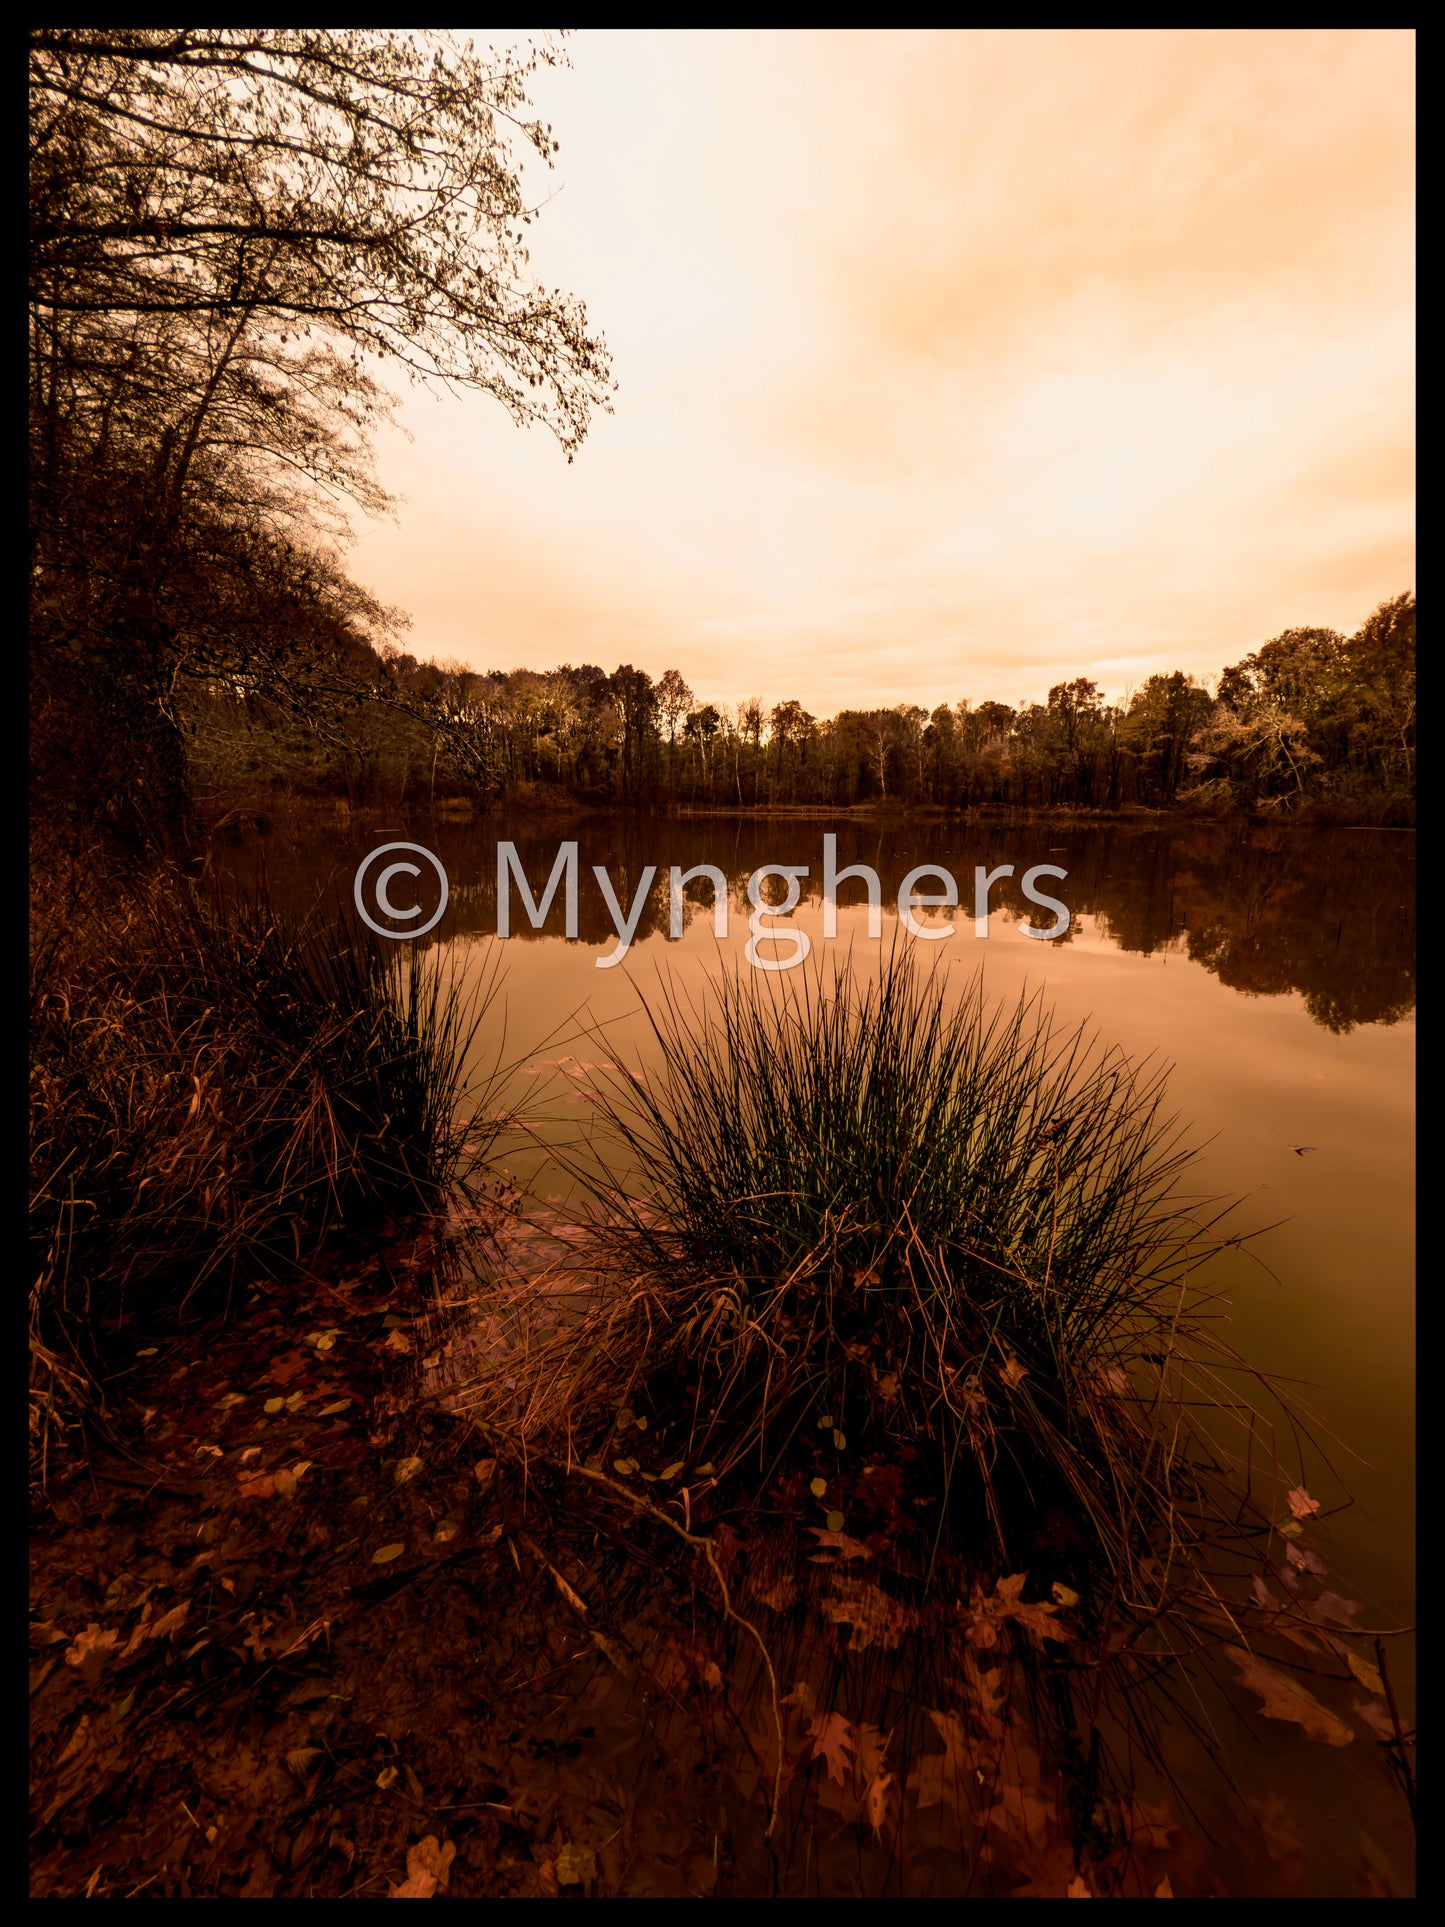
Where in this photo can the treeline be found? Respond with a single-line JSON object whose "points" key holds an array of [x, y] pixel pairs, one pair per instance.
{"points": [[1311, 720]]}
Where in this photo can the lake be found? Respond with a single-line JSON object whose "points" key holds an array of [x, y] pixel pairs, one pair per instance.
{"points": [[1273, 968]]}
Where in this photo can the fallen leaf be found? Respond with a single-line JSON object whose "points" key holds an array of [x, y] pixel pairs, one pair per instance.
{"points": [[169, 1622], [670, 1472], [1011, 1372], [818, 1488], [483, 1472], [1310, 1561], [706, 1471], [873, 1618], [446, 1529], [255, 1485], [888, 1385], [285, 1368], [1375, 1717], [840, 1543], [90, 1649], [624, 1466], [835, 1522], [428, 1869], [302, 1760], [397, 1341], [1064, 1596], [384, 1554], [1285, 1699], [576, 1866], [330, 1411], [387, 1778], [284, 1482], [1164, 1891], [840, 1441], [1078, 1889], [833, 1741], [274, 1405], [1301, 1504], [574, 1600], [406, 1469], [301, 1468], [1366, 1674]]}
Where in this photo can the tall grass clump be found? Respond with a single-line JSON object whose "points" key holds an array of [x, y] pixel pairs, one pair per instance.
{"points": [[948, 1232], [215, 1089]]}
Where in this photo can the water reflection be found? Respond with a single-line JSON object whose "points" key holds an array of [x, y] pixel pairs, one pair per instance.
{"points": [[1268, 911]]}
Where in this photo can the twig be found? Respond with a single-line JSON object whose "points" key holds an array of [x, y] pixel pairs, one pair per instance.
{"points": [[642, 1505], [1406, 1773]]}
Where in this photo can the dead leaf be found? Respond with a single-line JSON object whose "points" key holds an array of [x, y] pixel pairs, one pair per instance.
{"points": [[1078, 1889], [284, 1482], [833, 1741], [1309, 1561], [90, 1649], [1164, 1891], [1064, 1596], [1375, 1717], [576, 1866], [337, 1405], [387, 1778], [170, 1622], [1285, 1699], [255, 1485], [574, 1600], [1368, 1675], [406, 1469], [274, 1405], [1011, 1372], [283, 1369], [818, 1488], [483, 1472], [874, 1618], [397, 1341], [428, 1869], [384, 1554], [302, 1760], [845, 1547], [1301, 1505]]}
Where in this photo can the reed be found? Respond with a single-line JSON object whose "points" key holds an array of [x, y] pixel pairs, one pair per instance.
{"points": [[215, 1090]]}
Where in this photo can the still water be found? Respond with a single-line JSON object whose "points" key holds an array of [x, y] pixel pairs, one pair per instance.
{"points": [[1272, 968]]}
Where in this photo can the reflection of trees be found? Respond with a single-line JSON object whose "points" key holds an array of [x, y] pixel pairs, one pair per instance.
{"points": [[1269, 911]]}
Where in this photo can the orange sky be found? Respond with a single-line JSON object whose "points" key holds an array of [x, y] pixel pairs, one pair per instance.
{"points": [[951, 364]]}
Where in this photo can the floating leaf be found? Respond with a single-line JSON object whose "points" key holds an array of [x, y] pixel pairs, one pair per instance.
{"points": [[1301, 1504], [833, 1741], [384, 1554], [576, 1866], [406, 1469], [1285, 1699], [1366, 1674], [818, 1488]]}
